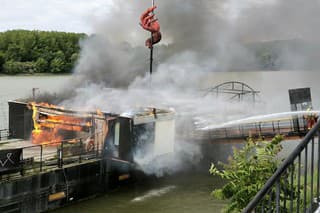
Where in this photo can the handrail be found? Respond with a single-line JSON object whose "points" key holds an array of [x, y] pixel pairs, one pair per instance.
{"points": [[258, 129], [67, 151], [285, 165]]}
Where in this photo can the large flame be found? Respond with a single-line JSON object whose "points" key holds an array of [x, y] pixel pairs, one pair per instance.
{"points": [[48, 128]]}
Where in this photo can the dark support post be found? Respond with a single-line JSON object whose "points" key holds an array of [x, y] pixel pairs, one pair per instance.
{"points": [[312, 172], [274, 131], [299, 180], [41, 153], [260, 131], [34, 93], [270, 200], [278, 196], [291, 187], [81, 148], [151, 56], [96, 144], [60, 156], [305, 179], [318, 169], [151, 49]]}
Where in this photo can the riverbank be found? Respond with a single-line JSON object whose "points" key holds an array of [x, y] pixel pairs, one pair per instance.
{"points": [[34, 74]]}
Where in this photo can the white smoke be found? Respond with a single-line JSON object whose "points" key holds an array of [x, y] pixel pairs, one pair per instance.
{"points": [[198, 37]]}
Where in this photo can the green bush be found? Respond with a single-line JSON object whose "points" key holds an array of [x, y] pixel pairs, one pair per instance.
{"points": [[14, 67], [41, 65], [247, 172]]}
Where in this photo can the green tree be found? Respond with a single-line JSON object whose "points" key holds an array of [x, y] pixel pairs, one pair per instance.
{"points": [[2, 60], [57, 65], [14, 67], [11, 67], [247, 172], [13, 53], [41, 65], [38, 51]]}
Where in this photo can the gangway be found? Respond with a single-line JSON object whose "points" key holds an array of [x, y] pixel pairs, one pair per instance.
{"points": [[261, 129]]}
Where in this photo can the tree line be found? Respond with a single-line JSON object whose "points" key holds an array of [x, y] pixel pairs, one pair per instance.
{"points": [[24, 51]]}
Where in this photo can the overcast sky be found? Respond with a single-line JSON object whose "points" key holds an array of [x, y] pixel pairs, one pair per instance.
{"points": [[57, 15], [68, 15]]}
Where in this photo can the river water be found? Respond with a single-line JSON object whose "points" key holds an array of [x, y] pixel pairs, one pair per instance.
{"points": [[15, 87], [186, 192]]}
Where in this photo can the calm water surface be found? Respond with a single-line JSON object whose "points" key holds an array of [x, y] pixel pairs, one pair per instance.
{"points": [[183, 193], [186, 193], [14, 87]]}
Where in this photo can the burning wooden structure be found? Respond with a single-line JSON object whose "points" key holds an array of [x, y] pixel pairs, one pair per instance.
{"points": [[59, 156]]}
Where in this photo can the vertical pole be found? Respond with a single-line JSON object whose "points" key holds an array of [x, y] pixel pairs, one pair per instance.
{"points": [[80, 150], [151, 49], [34, 93], [41, 154], [299, 182], [312, 168], [278, 196], [305, 179], [291, 186], [318, 171]]}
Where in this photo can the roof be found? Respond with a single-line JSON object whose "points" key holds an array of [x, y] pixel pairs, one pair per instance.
{"points": [[149, 114]]}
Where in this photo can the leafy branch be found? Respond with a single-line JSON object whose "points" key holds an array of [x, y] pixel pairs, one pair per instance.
{"points": [[247, 172]]}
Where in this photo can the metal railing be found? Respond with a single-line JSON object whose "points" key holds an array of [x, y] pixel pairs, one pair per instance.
{"points": [[285, 127], [75, 151], [4, 134], [294, 187], [38, 158], [32, 161]]}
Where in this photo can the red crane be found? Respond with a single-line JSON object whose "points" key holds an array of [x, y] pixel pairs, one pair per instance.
{"points": [[149, 22]]}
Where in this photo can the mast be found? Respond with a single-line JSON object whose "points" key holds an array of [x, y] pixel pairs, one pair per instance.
{"points": [[151, 49]]}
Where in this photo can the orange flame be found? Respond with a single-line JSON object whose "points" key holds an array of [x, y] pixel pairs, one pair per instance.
{"points": [[47, 128]]}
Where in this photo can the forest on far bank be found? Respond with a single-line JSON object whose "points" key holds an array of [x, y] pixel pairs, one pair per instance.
{"points": [[24, 51]]}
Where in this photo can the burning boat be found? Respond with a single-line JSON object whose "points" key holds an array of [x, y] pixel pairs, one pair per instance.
{"points": [[58, 156]]}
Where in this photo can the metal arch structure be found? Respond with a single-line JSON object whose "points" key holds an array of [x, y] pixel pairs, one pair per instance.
{"points": [[236, 89]]}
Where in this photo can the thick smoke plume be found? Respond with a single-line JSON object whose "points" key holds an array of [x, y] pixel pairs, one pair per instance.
{"points": [[198, 37], [221, 34]]}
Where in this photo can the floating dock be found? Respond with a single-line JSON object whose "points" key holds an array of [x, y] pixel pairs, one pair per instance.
{"points": [[92, 153]]}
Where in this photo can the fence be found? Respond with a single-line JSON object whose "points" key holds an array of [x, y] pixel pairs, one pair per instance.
{"points": [[286, 127], [37, 158], [294, 187]]}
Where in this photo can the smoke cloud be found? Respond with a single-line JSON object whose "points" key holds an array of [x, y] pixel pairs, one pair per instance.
{"points": [[198, 37], [221, 34]]}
